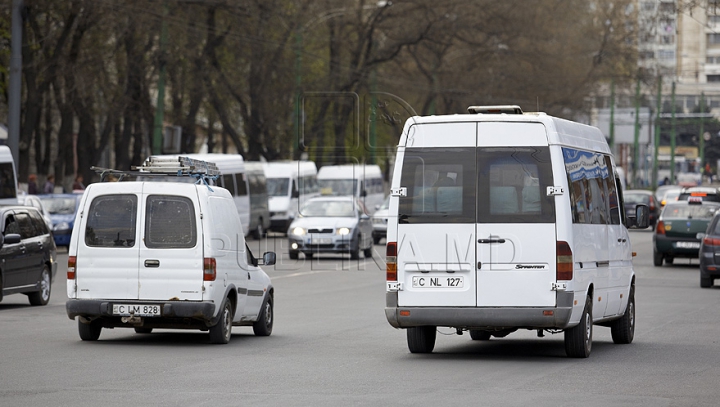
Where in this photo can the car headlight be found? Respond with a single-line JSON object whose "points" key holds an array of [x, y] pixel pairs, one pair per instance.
{"points": [[62, 226], [343, 231], [298, 231]]}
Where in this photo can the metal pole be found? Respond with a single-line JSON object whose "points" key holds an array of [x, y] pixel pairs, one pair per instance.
{"points": [[157, 142], [657, 134], [298, 84], [15, 85], [672, 136], [612, 114], [373, 115], [636, 139], [702, 131]]}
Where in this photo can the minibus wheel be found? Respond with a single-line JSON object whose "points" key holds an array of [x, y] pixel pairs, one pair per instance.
{"points": [[578, 339], [421, 339]]}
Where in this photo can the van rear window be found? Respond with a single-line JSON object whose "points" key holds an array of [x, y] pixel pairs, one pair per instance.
{"points": [[111, 222], [170, 222], [477, 185]]}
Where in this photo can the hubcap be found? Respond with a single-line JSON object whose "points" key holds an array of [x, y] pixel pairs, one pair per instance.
{"points": [[45, 285], [268, 314], [227, 323]]}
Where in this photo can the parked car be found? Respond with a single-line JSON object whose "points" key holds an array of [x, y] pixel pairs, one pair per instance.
{"points": [[632, 197], [710, 253], [380, 220], [670, 196], [62, 209], [35, 202], [663, 189], [676, 233], [705, 193], [27, 254], [332, 224]]}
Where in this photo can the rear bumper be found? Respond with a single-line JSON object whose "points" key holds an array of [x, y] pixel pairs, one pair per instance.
{"points": [[173, 313], [481, 317]]}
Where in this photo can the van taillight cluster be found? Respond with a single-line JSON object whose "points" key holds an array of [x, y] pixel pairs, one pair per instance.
{"points": [[72, 260], [563, 261], [391, 261], [660, 228], [209, 269], [711, 241]]}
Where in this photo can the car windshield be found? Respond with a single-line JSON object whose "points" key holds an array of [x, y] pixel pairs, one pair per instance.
{"points": [[59, 206], [338, 186], [636, 198], [689, 211], [277, 186], [326, 208]]}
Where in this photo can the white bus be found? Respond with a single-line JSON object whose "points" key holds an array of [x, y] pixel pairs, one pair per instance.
{"points": [[363, 181], [289, 183], [8, 177]]}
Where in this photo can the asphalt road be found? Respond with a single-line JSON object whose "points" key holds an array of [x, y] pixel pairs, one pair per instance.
{"points": [[331, 346]]}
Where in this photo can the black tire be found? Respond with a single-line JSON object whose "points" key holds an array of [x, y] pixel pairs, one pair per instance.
{"points": [[42, 297], [376, 239], [705, 282], [1, 287], [669, 260], [478, 335], [578, 339], [657, 258], [308, 255], [368, 252], [355, 252], [293, 255], [141, 330], [264, 325], [89, 332], [220, 333], [421, 339], [623, 329]]}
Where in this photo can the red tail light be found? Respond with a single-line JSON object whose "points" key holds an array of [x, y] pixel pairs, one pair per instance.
{"points": [[391, 261], [660, 228], [711, 241], [209, 269], [72, 261], [563, 261]]}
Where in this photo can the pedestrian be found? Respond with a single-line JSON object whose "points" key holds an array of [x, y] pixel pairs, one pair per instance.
{"points": [[49, 186], [32, 184], [78, 184]]}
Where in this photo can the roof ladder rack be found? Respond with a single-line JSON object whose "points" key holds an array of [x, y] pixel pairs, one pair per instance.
{"points": [[178, 165]]}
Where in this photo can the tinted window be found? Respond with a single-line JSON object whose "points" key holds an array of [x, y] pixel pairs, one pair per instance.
{"points": [[689, 211], [11, 226], [440, 185], [38, 222], [278, 186], [512, 185], [229, 183], [170, 222], [26, 227], [7, 181], [111, 221], [593, 195], [241, 184]]}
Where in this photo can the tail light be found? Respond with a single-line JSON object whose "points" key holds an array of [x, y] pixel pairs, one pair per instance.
{"points": [[72, 261], [711, 241], [563, 261], [209, 269], [391, 261], [660, 228]]}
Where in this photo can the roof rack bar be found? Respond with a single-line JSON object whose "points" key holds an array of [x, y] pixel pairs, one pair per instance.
{"points": [[499, 109], [177, 165]]}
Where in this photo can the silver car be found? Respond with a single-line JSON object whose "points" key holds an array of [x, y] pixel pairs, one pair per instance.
{"points": [[333, 224], [379, 221]]}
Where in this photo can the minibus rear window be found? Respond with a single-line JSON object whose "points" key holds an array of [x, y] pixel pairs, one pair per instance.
{"points": [[111, 222], [170, 222]]}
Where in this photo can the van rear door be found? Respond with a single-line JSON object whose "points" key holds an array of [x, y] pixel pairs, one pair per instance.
{"points": [[476, 227], [170, 265]]}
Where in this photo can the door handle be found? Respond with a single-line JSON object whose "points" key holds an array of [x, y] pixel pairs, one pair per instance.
{"points": [[152, 263], [491, 240]]}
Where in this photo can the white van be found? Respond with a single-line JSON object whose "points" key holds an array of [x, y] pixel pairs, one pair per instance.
{"points": [[362, 181], [8, 178], [232, 178], [259, 202], [289, 184], [148, 255], [502, 220]]}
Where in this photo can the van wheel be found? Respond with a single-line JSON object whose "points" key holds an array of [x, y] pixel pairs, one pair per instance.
{"points": [[89, 332], [623, 329], [1, 288], [220, 332], [421, 339], [293, 255], [657, 258], [705, 282], [478, 335], [355, 253], [578, 339], [264, 325], [140, 330], [368, 252], [42, 297]]}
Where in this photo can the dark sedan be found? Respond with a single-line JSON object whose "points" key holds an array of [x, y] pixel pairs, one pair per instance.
{"points": [[632, 197], [27, 254], [710, 253], [676, 234]]}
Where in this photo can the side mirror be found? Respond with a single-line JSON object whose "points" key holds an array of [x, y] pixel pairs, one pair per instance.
{"points": [[642, 216], [11, 238], [269, 258], [295, 194]]}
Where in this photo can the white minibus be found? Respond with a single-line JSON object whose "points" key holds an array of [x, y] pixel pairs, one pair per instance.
{"points": [[8, 177], [363, 181], [289, 183]]}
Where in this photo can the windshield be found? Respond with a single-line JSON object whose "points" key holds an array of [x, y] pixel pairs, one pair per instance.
{"points": [[278, 186], [59, 206], [689, 211], [322, 208], [338, 186], [636, 198]]}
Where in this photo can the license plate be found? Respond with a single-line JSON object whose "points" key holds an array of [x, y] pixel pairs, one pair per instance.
{"points": [[138, 310], [321, 240], [687, 245], [437, 282]]}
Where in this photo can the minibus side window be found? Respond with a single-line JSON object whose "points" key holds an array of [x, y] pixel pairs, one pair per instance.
{"points": [[242, 189], [229, 183], [592, 190]]}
